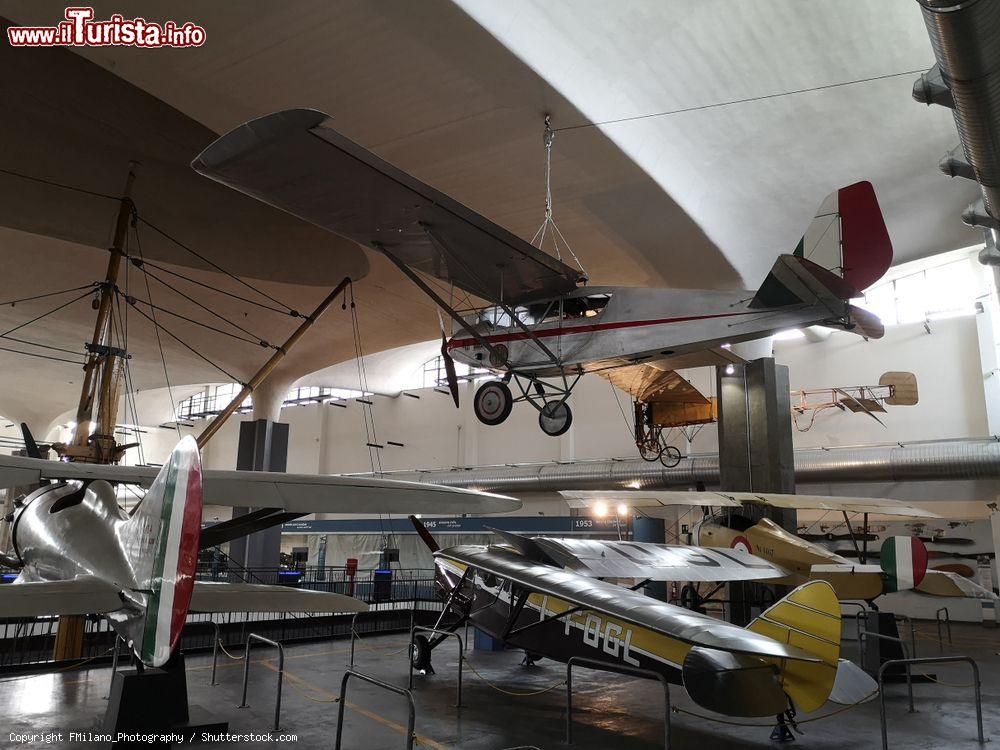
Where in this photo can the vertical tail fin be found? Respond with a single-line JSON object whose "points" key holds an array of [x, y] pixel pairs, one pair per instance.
{"points": [[809, 618], [846, 249], [161, 545]]}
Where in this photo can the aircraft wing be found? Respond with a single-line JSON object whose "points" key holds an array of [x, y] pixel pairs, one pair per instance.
{"points": [[295, 160], [653, 498], [946, 583], [650, 384], [624, 604], [252, 597], [292, 493], [657, 562], [78, 596]]}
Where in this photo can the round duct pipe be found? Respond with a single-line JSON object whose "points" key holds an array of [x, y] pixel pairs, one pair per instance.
{"points": [[913, 462]]}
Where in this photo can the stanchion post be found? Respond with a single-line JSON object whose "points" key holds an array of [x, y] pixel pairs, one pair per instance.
{"points": [[411, 718], [281, 673], [215, 650]]}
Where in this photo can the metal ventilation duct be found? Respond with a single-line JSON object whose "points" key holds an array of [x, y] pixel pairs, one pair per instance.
{"points": [[953, 460], [965, 35]]}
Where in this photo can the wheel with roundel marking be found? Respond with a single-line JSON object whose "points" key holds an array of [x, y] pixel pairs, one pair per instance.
{"points": [[493, 402], [742, 544], [555, 418]]}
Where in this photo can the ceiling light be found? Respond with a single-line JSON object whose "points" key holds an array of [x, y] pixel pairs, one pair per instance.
{"points": [[622, 509], [600, 509], [635, 485], [730, 369]]}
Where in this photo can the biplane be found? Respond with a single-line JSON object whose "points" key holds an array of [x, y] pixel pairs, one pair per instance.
{"points": [[542, 327], [548, 596], [804, 560]]}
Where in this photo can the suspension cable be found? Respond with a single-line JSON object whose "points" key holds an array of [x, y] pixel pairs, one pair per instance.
{"points": [[46, 314], [156, 328], [213, 264], [556, 235], [64, 186], [13, 302]]}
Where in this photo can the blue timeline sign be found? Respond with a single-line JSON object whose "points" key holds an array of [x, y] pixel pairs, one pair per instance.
{"points": [[459, 525]]}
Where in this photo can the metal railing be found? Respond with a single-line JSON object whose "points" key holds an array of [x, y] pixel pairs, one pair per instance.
{"points": [[909, 683], [620, 669], [444, 634], [342, 700], [281, 673], [947, 620]]}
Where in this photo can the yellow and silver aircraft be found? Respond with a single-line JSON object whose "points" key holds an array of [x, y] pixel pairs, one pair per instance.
{"points": [[548, 597], [802, 560]]}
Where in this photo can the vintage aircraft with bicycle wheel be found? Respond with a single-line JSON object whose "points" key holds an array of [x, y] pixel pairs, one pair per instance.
{"points": [[543, 328]]}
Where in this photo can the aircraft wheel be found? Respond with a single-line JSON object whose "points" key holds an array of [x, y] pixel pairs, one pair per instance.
{"points": [[648, 449], [670, 457], [555, 418], [420, 652], [493, 402]]}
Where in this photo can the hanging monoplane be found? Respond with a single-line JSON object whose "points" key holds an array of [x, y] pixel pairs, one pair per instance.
{"points": [[902, 560], [547, 596], [543, 329]]}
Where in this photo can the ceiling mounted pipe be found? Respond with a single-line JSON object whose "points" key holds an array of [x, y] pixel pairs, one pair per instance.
{"points": [[917, 462], [965, 36]]}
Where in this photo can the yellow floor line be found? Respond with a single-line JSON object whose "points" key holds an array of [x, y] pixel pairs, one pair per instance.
{"points": [[417, 738]]}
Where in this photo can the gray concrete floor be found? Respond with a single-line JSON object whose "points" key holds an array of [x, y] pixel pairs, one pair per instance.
{"points": [[611, 711]]}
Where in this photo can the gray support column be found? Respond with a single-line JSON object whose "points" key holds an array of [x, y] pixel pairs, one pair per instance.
{"points": [[755, 450], [263, 446], [645, 529]]}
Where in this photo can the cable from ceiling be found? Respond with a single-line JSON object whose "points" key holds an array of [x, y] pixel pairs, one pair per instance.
{"points": [[746, 100]]}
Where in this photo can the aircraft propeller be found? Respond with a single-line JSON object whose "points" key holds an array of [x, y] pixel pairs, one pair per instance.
{"points": [[449, 363]]}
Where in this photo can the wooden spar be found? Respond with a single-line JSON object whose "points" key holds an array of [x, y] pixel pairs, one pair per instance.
{"points": [[269, 366], [97, 361]]}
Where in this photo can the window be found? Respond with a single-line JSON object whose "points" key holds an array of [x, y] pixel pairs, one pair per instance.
{"points": [[941, 291], [210, 403]]}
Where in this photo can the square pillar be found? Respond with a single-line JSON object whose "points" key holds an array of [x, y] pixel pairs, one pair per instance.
{"points": [[263, 446], [755, 452]]}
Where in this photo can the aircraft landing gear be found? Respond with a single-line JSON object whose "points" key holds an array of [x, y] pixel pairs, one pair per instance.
{"points": [[555, 417], [493, 402], [420, 654]]}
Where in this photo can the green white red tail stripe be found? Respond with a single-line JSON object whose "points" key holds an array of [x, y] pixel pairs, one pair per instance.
{"points": [[176, 501], [904, 562]]}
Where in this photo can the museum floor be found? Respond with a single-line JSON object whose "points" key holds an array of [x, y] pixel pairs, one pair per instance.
{"points": [[610, 711]]}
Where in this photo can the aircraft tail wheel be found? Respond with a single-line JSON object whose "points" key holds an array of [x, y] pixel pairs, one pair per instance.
{"points": [[555, 418], [670, 457], [493, 402], [420, 652]]}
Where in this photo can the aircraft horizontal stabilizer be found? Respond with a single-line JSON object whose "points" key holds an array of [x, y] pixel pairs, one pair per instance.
{"points": [[78, 596], [946, 583], [251, 597]]}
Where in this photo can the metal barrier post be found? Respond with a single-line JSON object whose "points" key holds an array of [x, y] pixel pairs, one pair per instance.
{"points": [[281, 672], [411, 720], [929, 660], [354, 630], [114, 666], [215, 651], [445, 634], [947, 619], [620, 669], [913, 632]]}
